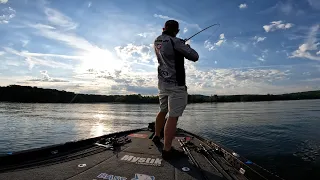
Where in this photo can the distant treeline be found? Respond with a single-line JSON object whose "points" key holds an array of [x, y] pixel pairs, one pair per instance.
{"points": [[27, 94]]}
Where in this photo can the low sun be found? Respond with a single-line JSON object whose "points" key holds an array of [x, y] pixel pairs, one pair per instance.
{"points": [[99, 59]]}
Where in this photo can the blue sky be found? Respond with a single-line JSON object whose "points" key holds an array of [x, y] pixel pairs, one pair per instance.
{"points": [[105, 46]]}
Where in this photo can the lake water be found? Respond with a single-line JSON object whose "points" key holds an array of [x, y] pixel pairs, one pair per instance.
{"points": [[282, 136]]}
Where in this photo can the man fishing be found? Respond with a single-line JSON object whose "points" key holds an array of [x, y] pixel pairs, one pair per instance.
{"points": [[173, 95]]}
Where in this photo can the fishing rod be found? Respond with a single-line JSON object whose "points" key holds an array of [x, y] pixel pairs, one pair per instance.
{"points": [[217, 24], [215, 164], [193, 160]]}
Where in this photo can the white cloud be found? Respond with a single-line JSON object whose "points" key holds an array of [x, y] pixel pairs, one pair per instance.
{"points": [[285, 7], [243, 6], [310, 44], [46, 78], [242, 46], [259, 39], [89, 4], [220, 42], [26, 53], [58, 19], [40, 26], [212, 47], [180, 21], [235, 81], [3, 1], [318, 53], [68, 38], [7, 15], [209, 45], [120, 82], [236, 44], [264, 55], [147, 34], [12, 63], [24, 42], [32, 61], [313, 79], [161, 16], [138, 53], [276, 25], [90, 55], [2, 53], [143, 35], [261, 58], [185, 30]]}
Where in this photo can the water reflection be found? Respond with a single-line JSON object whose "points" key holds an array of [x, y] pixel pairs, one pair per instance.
{"points": [[251, 129], [97, 129], [99, 116]]}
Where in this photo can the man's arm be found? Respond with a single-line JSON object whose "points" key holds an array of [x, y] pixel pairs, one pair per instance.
{"points": [[186, 50]]}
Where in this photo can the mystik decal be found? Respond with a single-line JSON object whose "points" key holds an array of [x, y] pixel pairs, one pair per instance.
{"points": [[142, 161]]}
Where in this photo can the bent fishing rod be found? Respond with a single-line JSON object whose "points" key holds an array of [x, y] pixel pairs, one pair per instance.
{"points": [[217, 24]]}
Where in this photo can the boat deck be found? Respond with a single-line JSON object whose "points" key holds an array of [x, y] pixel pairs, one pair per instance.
{"points": [[129, 155], [138, 159]]}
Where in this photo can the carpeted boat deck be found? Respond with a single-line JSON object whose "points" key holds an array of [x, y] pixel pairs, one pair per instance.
{"points": [[135, 160]]}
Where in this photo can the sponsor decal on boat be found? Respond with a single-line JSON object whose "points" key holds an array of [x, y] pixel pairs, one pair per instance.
{"points": [[142, 160], [110, 177], [138, 135], [137, 176], [185, 169], [143, 177], [82, 165]]}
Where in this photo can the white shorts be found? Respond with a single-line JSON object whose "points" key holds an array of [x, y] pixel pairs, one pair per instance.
{"points": [[173, 99]]}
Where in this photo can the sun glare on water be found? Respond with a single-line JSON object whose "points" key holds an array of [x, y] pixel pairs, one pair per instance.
{"points": [[101, 126], [99, 116], [97, 130]]}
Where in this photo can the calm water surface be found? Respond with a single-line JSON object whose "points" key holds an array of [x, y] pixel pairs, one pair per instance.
{"points": [[282, 136]]}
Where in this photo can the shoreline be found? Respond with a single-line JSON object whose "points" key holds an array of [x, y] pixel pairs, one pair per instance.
{"points": [[28, 94]]}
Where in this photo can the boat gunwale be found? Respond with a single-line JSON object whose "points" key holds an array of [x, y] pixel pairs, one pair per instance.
{"points": [[228, 153], [15, 160]]}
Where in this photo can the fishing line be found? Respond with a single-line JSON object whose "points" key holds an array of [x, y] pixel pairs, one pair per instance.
{"points": [[202, 31], [206, 32], [187, 39], [213, 33]]}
